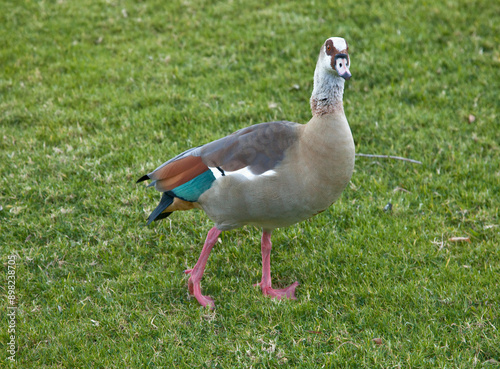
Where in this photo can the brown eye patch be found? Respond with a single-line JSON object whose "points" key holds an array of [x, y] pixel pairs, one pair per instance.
{"points": [[329, 48]]}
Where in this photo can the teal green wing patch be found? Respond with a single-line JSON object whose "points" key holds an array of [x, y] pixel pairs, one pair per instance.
{"points": [[192, 190]]}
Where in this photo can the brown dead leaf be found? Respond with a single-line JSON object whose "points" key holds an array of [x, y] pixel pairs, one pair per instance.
{"points": [[377, 341]]}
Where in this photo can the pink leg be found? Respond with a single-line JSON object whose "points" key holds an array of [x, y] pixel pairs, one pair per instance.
{"points": [[265, 283], [199, 268]]}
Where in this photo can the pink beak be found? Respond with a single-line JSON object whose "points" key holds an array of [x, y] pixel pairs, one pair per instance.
{"points": [[342, 66]]}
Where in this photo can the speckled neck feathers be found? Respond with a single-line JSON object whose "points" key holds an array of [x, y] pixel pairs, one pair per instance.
{"points": [[328, 92]]}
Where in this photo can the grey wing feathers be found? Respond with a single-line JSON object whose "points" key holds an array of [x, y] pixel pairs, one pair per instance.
{"points": [[259, 147]]}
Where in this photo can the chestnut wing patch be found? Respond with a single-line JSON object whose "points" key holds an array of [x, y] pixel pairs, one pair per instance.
{"points": [[178, 172]]}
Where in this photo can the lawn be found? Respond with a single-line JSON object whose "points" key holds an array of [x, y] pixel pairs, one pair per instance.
{"points": [[94, 94]]}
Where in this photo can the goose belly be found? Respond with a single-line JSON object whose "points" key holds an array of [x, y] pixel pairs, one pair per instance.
{"points": [[266, 201]]}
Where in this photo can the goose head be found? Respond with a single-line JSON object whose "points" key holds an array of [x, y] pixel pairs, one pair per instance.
{"points": [[334, 57]]}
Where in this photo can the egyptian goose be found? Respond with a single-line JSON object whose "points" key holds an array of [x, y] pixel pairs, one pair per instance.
{"points": [[268, 175]]}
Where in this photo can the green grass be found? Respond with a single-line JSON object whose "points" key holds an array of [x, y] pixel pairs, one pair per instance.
{"points": [[93, 94]]}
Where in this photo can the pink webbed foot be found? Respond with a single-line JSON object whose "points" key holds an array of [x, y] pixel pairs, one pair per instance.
{"points": [[195, 290], [288, 292], [265, 283]]}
